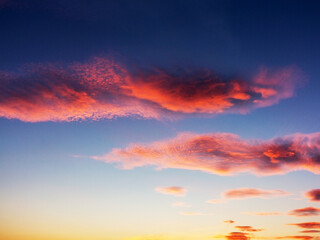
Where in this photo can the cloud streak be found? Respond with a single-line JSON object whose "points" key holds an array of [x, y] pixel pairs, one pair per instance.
{"points": [[296, 237], [308, 225], [223, 154], [305, 212], [103, 89], [248, 229], [242, 193], [310, 231], [262, 213], [172, 190]]}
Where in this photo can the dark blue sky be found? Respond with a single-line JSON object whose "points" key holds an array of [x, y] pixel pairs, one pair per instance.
{"points": [[232, 35]]}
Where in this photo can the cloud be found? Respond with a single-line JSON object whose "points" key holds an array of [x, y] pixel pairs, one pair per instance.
{"points": [[242, 193], [248, 229], [103, 89], [296, 237], [180, 204], [262, 213], [229, 221], [216, 201], [313, 195], [237, 236], [173, 190], [76, 92], [310, 231], [223, 154], [310, 225], [305, 212]]}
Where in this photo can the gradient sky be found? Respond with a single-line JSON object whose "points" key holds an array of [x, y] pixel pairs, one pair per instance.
{"points": [[159, 120]]}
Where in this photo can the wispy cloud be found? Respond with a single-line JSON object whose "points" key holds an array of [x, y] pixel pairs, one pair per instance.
{"points": [[305, 212], [103, 89], [216, 201], [242, 193], [262, 213], [248, 229], [313, 195], [296, 237], [310, 231], [180, 204], [311, 225], [223, 154], [172, 190]]}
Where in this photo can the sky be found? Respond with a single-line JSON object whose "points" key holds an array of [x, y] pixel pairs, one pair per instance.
{"points": [[159, 120]]}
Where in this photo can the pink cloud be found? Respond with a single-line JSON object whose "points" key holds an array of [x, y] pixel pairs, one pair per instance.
{"points": [[223, 154], [248, 229], [172, 190], [103, 89], [241, 193]]}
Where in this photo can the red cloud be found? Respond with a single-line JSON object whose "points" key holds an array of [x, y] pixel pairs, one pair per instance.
{"points": [[248, 229], [305, 212], [313, 195], [253, 193], [102, 89], [312, 225], [237, 236], [224, 154], [173, 190]]}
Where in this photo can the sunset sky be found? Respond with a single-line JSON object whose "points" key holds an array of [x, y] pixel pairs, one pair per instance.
{"points": [[159, 120]]}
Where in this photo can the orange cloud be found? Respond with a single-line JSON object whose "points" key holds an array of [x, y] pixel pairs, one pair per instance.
{"points": [[313, 195], [173, 190], [223, 154], [312, 225], [248, 229], [103, 89], [237, 236], [241, 193], [229, 221], [305, 212], [296, 237]]}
